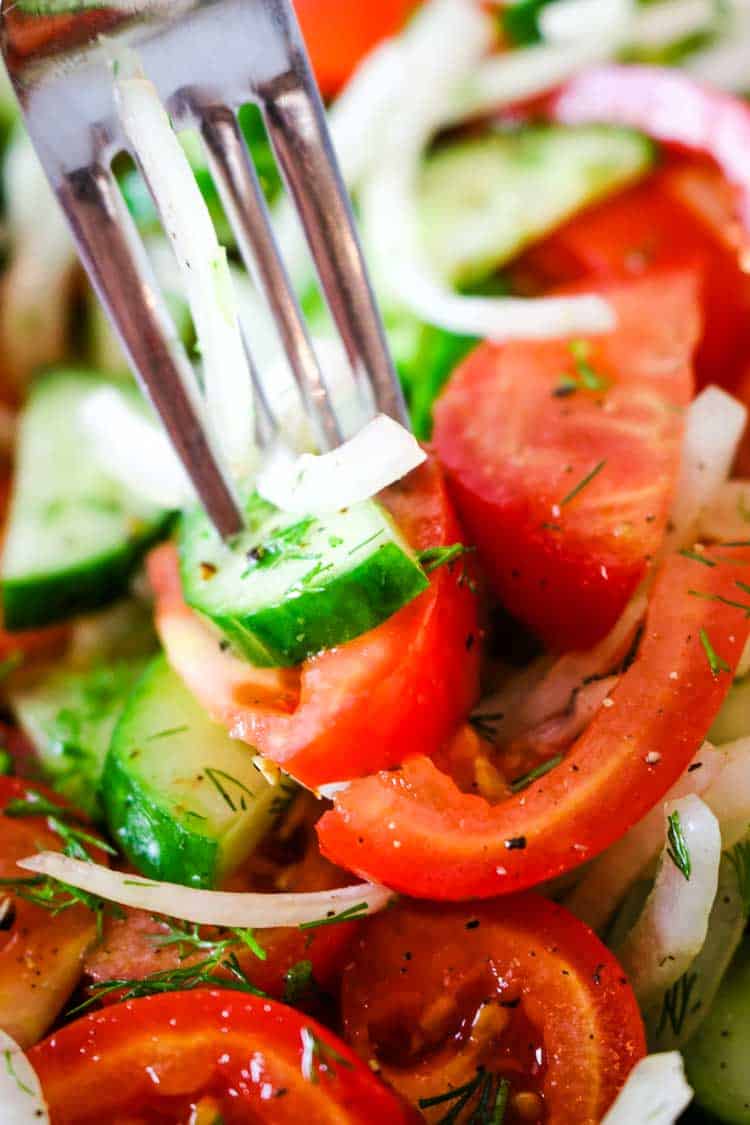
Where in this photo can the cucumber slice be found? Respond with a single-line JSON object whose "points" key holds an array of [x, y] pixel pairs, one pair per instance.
{"points": [[69, 717], [182, 799], [288, 588], [716, 1058], [74, 534], [484, 200]]}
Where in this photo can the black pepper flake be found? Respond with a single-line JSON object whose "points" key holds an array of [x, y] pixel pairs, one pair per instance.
{"points": [[510, 1003], [470, 642], [516, 843], [695, 766], [473, 924]]}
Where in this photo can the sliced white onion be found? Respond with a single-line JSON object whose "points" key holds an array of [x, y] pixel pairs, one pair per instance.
{"points": [[21, 1098], [724, 64], [133, 450], [671, 928], [606, 880], [727, 518], [673, 1019], [203, 263], [714, 428], [656, 1092], [311, 484], [570, 20], [659, 25], [728, 796], [544, 690], [209, 908]]}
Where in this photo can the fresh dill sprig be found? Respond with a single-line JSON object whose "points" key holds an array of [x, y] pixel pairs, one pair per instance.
{"points": [[188, 938], [739, 857], [221, 780], [715, 662], [695, 556], [677, 849], [351, 912], [676, 1004], [57, 896], [10, 1069], [534, 775], [317, 1056], [578, 489], [216, 971], [490, 1091], [433, 557], [75, 840], [298, 982]]}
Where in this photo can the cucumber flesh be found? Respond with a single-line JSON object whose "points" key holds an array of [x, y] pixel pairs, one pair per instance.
{"points": [[483, 200], [287, 587], [69, 717], [74, 533], [182, 799], [716, 1058]]}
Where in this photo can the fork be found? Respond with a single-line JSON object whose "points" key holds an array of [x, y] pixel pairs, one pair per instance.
{"points": [[206, 59]]}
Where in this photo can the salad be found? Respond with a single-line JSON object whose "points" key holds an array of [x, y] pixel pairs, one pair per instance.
{"points": [[426, 797]]}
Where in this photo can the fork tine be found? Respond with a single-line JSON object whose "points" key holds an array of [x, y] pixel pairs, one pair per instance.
{"points": [[243, 201], [117, 264], [295, 120]]}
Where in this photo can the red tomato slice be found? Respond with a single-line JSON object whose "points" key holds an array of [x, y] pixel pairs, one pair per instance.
{"points": [[414, 830], [251, 1059], [338, 34], [398, 690], [684, 216], [567, 494], [518, 987], [41, 953]]}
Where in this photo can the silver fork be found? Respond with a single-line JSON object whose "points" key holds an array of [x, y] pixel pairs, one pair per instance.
{"points": [[206, 58]]}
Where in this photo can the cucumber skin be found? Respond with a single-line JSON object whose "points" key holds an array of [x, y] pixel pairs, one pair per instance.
{"points": [[351, 605], [35, 602], [716, 1058], [143, 823]]}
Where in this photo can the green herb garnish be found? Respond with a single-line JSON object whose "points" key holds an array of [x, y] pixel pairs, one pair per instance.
{"points": [[715, 662], [433, 557], [677, 849], [582, 484], [534, 775]]}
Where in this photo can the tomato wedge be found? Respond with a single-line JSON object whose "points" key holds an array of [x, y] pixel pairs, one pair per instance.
{"points": [[160, 1058], [450, 997], [683, 216], [41, 953], [562, 457], [414, 830], [338, 34], [398, 690]]}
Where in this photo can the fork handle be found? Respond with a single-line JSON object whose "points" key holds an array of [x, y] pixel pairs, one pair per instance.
{"points": [[119, 269]]}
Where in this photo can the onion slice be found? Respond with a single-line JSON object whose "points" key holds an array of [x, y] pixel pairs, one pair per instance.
{"points": [[21, 1098], [202, 261], [715, 425], [208, 908], [656, 1091], [381, 453], [671, 929], [133, 450], [607, 878]]}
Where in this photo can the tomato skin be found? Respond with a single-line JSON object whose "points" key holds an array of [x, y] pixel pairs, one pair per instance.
{"points": [[683, 216], [514, 449], [41, 956], [524, 948], [339, 34], [400, 689], [159, 1054], [415, 831]]}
